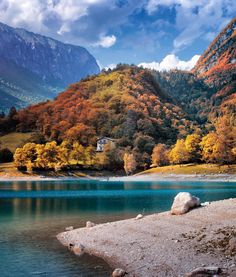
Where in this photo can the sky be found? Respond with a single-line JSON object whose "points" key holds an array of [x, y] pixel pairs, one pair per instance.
{"points": [[159, 34]]}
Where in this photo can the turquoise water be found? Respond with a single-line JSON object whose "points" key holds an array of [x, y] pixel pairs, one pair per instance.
{"points": [[32, 213]]}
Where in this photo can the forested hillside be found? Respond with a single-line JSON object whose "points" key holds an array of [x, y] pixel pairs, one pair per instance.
{"points": [[126, 104]]}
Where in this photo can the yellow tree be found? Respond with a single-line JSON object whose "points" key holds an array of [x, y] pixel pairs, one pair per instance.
{"points": [[129, 163], [64, 152], [234, 152], [90, 155], [218, 147], [48, 156], [26, 156], [19, 157], [209, 146], [160, 155], [192, 144], [226, 133], [78, 154], [179, 153]]}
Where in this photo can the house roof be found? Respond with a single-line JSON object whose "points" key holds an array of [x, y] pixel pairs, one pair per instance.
{"points": [[107, 138]]}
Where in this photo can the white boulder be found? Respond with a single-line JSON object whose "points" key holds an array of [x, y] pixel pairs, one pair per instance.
{"points": [[183, 202]]}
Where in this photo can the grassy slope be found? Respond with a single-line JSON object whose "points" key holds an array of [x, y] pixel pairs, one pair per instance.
{"points": [[192, 169], [14, 140]]}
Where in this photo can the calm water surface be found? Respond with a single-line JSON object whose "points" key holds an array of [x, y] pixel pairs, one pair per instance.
{"points": [[32, 213]]}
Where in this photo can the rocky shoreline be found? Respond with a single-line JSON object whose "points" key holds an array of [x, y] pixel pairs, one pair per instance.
{"points": [[164, 244]]}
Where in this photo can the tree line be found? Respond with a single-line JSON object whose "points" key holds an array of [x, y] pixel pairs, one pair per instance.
{"points": [[218, 146]]}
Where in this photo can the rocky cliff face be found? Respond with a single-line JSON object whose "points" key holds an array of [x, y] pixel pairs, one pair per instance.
{"points": [[221, 54], [217, 67], [34, 68]]}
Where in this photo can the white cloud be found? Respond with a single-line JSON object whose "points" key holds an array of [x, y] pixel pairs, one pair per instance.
{"points": [[60, 19], [196, 18], [110, 66], [172, 62], [99, 64], [106, 41]]}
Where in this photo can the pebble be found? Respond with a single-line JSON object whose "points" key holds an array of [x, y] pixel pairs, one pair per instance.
{"points": [[119, 272], [210, 270], [90, 224], [79, 250], [139, 216], [70, 228]]}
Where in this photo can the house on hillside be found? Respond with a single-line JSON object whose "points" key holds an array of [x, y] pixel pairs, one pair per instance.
{"points": [[104, 141]]}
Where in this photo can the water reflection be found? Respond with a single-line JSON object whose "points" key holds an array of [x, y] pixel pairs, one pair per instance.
{"points": [[83, 196]]}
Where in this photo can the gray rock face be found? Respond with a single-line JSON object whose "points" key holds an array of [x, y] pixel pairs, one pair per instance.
{"points": [[49, 64], [221, 50], [184, 202]]}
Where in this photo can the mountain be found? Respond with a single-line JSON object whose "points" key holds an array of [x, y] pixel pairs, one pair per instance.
{"points": [[217, 67], [34, 67], [220, 55], [208, 91], [139, 107]]}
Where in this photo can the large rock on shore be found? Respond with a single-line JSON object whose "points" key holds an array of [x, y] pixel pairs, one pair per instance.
{"points": [[184, 202]]}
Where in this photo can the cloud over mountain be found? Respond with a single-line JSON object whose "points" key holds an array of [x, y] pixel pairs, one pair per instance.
{"points": [[171, 62], [128, 31]]}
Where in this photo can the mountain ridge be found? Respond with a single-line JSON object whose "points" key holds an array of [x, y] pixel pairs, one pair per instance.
{"points": [[51, 64], [220, 53]]}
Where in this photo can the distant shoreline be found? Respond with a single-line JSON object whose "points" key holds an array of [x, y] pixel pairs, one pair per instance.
{"points": [[186, 172], [139, 178]]}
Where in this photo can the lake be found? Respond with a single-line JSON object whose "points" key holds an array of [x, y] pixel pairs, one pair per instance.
{"points": [[32, 213]]}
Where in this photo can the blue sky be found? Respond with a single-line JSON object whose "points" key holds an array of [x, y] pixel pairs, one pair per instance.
{"points": [[157, 33]]}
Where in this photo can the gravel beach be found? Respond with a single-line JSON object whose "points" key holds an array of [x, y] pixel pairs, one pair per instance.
{"points": [[164, 244]]}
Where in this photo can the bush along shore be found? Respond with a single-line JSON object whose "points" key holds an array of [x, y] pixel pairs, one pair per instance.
{"points": [[192, 239]]}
